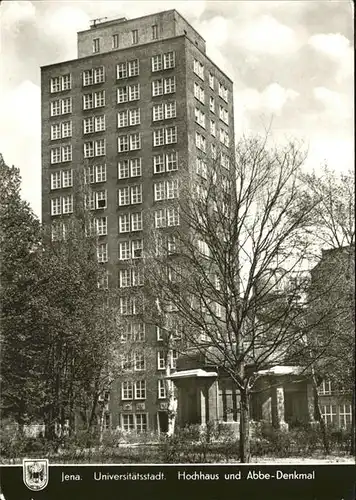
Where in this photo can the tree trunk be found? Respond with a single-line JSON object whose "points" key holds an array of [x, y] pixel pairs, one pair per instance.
{"points": [[172, 403], [319, 416], [244, 445], [353, 402]]}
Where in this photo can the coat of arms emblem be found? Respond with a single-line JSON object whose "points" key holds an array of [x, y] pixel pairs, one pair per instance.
{"points": [[35, 474]]}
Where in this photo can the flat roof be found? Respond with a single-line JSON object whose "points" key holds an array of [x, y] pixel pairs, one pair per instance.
{"points": [[124, 19]]}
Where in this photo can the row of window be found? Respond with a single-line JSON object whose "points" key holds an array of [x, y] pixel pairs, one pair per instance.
{"points": [[135, 332], [115, 40], [198, 69], [333, 415], [327, 387], [132, 249], [124, 94], [131, 305], [136, 361], [137, 389]]}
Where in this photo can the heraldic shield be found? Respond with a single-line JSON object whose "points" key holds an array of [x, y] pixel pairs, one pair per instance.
{"points": [[35, 473]]}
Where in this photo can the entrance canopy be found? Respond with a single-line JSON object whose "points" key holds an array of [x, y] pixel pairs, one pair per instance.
{"points": [[197, 373]]}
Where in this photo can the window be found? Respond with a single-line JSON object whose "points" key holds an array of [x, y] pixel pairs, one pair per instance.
{"points": [[158, 164], [345, 416], [67, 153], [173, 216], [123, 143], [140, 389], [162, 389], [212, 104], [90, 201], [127, 306], [124, 196], [136, 194], [100, 147], [99, 74], [158, 112], [94, 148], [170, 85], [100, 173], [96, 45], [134, 116], [169, 60], [56, 180], [88, 101], [174, 357], [128, 422], [56, 108], [223, 92], [124, 223], [328, 413], [139, 361], [125, 278], [67, 176], [88, 77], [122, 119], [158, 137], [56, 131], [161, 360], [166, 217], [102, 226], [123, 169], [56, 206], [224, 137], [135, 142], [224, 114], [99, 99], [225, 161], [135, 167], [199, 93], [115, 41], [103, 282], [164, 136], [102, 252], [201, 168], [55, 155], [170, 110], [166, 190], [128, 69], [121, 71], [211, 81], [58, 231], [171, 135], [171, 162], [124, 250], [55, 84], [213, 128], [325, 388], [163, 61], [137, 249], [199, 69], [154, 32], [134, 68], [68, 204], [59, 83], [214, 153], [127, 392], [200, 117], [101, 199], [141, 422], [163, 86], [160, 218], [200, 141], [157, 87], [157, 63], [134, 92], [134, 36], [136, 221]]}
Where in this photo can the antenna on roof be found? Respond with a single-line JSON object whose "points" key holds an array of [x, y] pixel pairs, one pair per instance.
{"points": [[94, 22]]}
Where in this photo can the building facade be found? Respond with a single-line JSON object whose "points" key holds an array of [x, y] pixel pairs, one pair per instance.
{"points": [[141, 105]]}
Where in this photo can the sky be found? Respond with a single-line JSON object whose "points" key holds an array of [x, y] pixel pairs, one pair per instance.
{"points": [[291, 62]]}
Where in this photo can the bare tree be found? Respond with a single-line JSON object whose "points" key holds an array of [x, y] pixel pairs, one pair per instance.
{"points": [[239, 259]]}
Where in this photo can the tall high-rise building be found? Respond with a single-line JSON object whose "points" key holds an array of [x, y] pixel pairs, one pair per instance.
{"points": [[141, 104]]}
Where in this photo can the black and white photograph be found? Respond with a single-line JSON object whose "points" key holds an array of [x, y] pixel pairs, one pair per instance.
{"points": [[177, 249]]}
